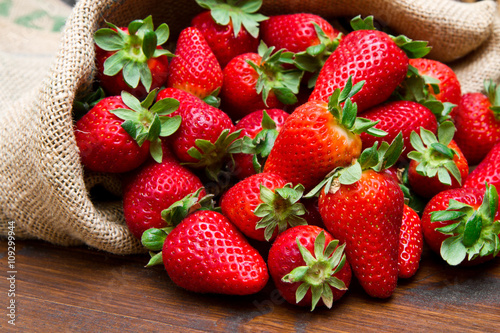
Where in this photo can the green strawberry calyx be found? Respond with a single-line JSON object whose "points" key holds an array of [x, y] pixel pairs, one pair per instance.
{"points": [[280, 209], [273, 76], [474, 233], [375, 158], [345, 111], [153, 238], [318, 275], [314, 57], [132, 49], [212, 156], [147, 120], [413, 49], [433, 155], [493, 93], [418, 88], [260, 146], [241, 14]]}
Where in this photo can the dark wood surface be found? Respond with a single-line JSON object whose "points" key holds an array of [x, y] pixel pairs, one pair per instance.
{"points": [[78, 289]]}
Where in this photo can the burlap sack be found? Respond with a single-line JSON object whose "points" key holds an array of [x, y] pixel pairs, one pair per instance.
{"points": [[44, 190]]}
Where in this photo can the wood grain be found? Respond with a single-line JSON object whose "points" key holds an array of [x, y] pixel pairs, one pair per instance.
{"points": [[83, 290]]}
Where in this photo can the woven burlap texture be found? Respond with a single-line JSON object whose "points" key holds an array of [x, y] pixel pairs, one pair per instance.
{"points": [[43, 187]]}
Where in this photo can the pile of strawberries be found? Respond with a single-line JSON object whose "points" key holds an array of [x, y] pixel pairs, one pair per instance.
{"points": [[339, 152]]}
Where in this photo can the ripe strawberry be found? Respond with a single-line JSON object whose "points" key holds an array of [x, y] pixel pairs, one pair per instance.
{"points": [[263, 205], [194, 67], [411, 243], [435, 160], [463, 225], [363, 208], [308, 267], [152, 189], [204, 135], [231, 28], [399, 116], [477, 119], [206, 253], [255, 81], [318, 137], [258, 133], [119, 131], [127, 56], [366, 55], [487, 171], [309, 36]]}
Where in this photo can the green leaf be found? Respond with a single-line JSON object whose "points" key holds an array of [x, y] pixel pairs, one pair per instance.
{"points": [[156, 259], [357, 23], [453, 250], [170, 125], [444, 215], [153, 239], [132, 74], [125, 114], [284, 95], [472, 231], [130, 127], [108, 39], [162, 34], [115, 63], [165, 106], [131, 101], [443, 176], [351, 174], [155, 150], [417, 143], [134, 26], [446, 131], [427, 137], [439, 147]]}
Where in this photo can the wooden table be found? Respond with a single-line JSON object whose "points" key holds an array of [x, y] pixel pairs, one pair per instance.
{"points": [[82, 290]]}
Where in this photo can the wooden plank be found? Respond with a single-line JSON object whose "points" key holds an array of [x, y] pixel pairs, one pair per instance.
{"points": [[82, 290]]}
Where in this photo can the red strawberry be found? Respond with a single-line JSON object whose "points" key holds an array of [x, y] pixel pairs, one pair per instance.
{"points": [[258, 132], [437, 164], [204, 135], [463, 225], [316, 138], [363, 208], [263, 205], [477, 119], [206, 253], [230, 29], [411, 243], [118, 133], [366, 55], [131, 58], [487, 171], [194, 67], [152, 189], [308, 267], [399, 116], [255, 81]]}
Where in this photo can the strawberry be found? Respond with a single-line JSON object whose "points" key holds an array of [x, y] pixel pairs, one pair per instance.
{"points": [[463, 225], [477, 119], [194, 67], [254, 81], [363, 208], [258, 133], [318, 137], [152, 189], [204, 135], [230, 28], [366, 55], [437, 164], [399, 116], [487, 171], [119, 132], [263, 205], [131, 58], [206, 253], [308, 267], [309, 36], [411, 243]]}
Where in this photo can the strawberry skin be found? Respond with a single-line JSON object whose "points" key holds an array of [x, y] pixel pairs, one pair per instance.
{"points": [[284, 256], [311, 134], [104, 145], [295, 32], [399, 116], [206, 253], [486, 171], [478, 129], [221, 39], [194, 68], [367, 216], [250, 126], [153, 188], [368, 55], [411, 243]]}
